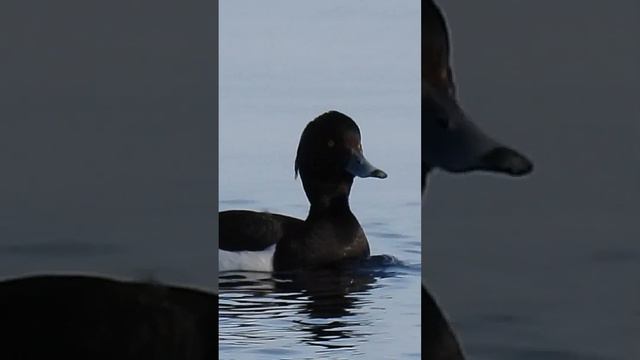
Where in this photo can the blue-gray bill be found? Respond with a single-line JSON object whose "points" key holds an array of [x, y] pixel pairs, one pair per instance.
{"points": [[452, 142], [359, 166]]}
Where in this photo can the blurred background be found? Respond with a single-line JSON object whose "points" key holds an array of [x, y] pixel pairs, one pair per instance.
{"points": [[546, 267], [108, 139]]}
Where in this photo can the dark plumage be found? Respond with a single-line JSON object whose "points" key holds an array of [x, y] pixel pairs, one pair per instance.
{"points": [[438, 340], [83, 317], [436, 49], [245, 230]]}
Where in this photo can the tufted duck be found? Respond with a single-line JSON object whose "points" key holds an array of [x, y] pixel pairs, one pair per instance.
{"points": [[329, 156]]}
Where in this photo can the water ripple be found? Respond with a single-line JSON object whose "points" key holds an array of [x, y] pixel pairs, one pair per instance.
{"points": [[331, 313]]}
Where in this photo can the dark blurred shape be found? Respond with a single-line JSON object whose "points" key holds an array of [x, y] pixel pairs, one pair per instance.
{"points": [[82, 317]]}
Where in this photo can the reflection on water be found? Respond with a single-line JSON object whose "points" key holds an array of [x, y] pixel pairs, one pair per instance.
{"points": [[330, 313]]}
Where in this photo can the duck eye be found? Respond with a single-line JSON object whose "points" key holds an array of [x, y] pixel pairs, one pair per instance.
{"points": [[331, 143]]}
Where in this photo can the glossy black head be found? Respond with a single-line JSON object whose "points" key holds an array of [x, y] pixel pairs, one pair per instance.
{"points": [[329, 157], [436, 49], [450, 141]]}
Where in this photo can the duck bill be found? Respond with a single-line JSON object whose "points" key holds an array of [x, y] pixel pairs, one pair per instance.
{"points": [[474, 150], [452, 142], [359, 166], [506, 161]]}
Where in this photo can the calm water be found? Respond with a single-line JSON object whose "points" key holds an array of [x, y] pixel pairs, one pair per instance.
{"points": [[359, 315], [107, 146], [373, 310], [361, 59]]}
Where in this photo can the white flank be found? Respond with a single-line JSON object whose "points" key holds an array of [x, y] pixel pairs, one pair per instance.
{"points": [[246, 260]]}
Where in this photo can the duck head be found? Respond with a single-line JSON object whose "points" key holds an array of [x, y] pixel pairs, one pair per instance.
{"points": [[452, 142], [329, 156]]}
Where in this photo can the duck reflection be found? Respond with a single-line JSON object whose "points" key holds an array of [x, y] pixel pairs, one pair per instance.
{"points": [[324, 302]]}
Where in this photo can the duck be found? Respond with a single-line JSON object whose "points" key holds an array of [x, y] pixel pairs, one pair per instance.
{"points": [[328, 159], [453, 143], [81, 316]]}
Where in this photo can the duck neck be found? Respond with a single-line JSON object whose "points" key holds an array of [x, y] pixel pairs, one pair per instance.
{"points": [[329, 199], [329, 206]]}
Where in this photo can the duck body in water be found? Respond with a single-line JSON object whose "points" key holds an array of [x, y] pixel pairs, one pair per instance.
{"points": [[438, 339], [87, 317], [328, 158]]}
